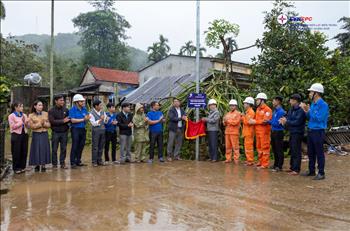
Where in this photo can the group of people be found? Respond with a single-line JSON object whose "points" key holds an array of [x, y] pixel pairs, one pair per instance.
{"points": [[147, 128], [144, 128], [38, 122], [269, 127]]}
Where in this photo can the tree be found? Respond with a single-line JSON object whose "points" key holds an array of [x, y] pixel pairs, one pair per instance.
{"points": [[337, 85], [232, 44], [344, 38], [163, 44], [154, 54], [18, 59], [158, 50], [102, 36], [5, 89], [288, 54], [293, 57], [222, 32], [189, 49], [66, 72], [103, 4], [2, 10]]}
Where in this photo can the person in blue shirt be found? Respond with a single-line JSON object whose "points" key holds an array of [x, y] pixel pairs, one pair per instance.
{"points": [[155, 121], [78, 115], [317, 115], [295, 123], [277, 134], [111, 133]]}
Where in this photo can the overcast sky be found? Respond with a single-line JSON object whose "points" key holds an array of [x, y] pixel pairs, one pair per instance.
{"points": [[174, 19]]}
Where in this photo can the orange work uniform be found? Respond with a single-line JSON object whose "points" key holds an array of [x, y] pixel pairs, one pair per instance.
{"points": [[248, 134], [262, 131], [232, 121]]}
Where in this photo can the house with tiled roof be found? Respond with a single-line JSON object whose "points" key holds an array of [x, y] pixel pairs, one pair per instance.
{"points": [[106, 84]]}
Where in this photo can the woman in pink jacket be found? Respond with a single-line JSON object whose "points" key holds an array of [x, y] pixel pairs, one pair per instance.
{"points": [[19, 123]]}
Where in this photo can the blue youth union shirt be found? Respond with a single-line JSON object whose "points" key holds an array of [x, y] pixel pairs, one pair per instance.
{"points": [[318, 115], [277, 114], [76, 113], [109, 126], [155, 115]]}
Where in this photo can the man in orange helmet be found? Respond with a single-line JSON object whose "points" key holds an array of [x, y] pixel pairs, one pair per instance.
{"points": [[248, 130], [232, 121], [262, 130]]}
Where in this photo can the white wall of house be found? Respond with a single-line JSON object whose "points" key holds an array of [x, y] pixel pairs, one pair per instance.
{"points": [[88, 78], [106, 87], [174, 65], [235, 68]]}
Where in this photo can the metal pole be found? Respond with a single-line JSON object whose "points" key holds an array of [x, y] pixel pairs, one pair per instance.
{"points": [[51, 52], [116, 93], [197, 69]]}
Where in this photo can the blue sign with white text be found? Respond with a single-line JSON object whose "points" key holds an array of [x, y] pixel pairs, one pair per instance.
{"points": [[197, 100]]}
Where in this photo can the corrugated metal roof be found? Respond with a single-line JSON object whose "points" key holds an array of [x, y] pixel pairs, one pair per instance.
{"points": [[161, 87]]}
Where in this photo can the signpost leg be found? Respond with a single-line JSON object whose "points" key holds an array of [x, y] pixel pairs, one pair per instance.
{"points": [[197, 69]]}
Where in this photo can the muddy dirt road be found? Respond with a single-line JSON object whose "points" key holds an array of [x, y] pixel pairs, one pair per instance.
{"points": [[183, 195]]}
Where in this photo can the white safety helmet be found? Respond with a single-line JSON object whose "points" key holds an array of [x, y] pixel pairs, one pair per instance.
{"points": [[212, 101], [77, 98], [249, 100], [233, 102], [317, 87], [261, 96]]}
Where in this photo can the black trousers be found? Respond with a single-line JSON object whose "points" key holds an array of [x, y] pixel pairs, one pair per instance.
{"points": [[19, 150], [315, 140], [78, 143], [277, 148], [59, 139], [111, 139], [156, 137], [295, 151], [213, 144]]}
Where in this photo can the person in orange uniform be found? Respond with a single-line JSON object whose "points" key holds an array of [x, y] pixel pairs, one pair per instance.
{"points": [[262, 130], [248, 130], [232, 121]]}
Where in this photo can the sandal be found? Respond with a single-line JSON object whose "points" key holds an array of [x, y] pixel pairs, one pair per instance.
{"points": [[293, 173]]}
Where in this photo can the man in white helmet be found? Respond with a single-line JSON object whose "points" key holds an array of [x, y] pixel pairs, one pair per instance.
{"points": [[248, 130], [213, 129], [232, 122], [317, 115], [78, 115], [262, 130]]}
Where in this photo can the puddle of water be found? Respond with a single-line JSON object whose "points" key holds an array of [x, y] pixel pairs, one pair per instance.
{"points": [[184, 195]]}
